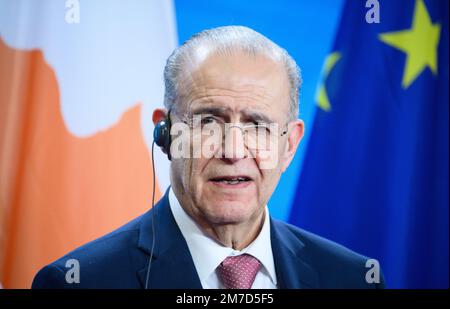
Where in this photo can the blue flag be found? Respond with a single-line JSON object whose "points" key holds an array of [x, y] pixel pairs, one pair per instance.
{"points": [[375, 174]]}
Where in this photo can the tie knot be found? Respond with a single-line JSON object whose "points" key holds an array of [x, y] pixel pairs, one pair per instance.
{"points": [[239, 272]]}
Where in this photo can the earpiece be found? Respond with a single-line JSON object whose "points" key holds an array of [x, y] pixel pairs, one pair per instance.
{"points": [[161, 135]]}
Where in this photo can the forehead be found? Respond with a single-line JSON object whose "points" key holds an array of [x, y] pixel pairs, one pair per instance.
{"points": [[237, 82]]}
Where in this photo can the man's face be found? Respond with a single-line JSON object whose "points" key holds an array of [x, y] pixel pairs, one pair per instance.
{"points": [[237, 89]]}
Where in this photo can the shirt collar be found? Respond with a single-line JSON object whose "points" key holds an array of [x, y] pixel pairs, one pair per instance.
{"points": [[207, 254]]}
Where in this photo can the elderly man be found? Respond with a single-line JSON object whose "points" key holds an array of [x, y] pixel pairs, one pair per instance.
{"points": [[212, 228]]}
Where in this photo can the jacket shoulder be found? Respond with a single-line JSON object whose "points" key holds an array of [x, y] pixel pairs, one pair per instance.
{"points": [[99, 262], [336, 265]]}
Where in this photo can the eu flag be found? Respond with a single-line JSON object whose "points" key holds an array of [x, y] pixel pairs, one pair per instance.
{"points": [[375, 174]]}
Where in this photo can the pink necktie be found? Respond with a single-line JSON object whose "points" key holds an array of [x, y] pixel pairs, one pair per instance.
{"points": [[239, 272]]}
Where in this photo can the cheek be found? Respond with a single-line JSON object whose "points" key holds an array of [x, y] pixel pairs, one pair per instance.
{"points": [[178, 172], [182, 170], [282, 157], [270, 171], [269, 178], [193, 174], [270, 160]]}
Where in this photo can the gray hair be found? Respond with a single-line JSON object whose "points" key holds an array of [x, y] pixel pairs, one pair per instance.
{"points": [[225, 40]]}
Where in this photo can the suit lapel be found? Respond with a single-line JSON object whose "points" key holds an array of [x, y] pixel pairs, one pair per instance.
{"points": [[173, 268], [292, 270], [172, 265]]}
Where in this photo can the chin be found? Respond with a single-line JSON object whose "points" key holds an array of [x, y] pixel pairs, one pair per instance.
{"points": [[229, 212]]}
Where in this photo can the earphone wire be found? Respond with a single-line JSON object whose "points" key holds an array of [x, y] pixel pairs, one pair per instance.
{"points": [[153, 219]]}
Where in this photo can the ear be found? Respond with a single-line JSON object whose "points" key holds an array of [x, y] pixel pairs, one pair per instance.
{"points": [[296, 132], [158, 115]]}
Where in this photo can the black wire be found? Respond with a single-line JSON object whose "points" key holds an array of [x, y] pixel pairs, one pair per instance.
{"points": [[153, 219]]}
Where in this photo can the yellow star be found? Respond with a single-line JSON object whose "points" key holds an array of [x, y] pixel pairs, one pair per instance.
{"points": [[420, 44], [322, 97]]}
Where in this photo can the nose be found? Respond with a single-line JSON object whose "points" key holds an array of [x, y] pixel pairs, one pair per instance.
{"points": [[234, 149]]}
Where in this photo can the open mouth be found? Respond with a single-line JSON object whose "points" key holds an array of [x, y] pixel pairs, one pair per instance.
{"points": [[231, 180]]}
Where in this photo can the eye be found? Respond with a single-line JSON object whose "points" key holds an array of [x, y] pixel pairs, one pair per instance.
{"points": [[209, 119], [200, 120], [263, 127]]}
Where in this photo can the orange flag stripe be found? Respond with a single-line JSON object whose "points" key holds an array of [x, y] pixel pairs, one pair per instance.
{"points": [[58, 191]]}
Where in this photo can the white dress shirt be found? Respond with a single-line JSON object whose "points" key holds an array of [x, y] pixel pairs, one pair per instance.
{"points": [[208, 254]]}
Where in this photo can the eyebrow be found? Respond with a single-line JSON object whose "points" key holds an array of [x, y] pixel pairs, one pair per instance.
{"points": [[257, 116], [222, 111], [210, 110]]}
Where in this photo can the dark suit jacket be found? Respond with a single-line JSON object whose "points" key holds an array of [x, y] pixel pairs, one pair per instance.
{"points": [[121, 258]]}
